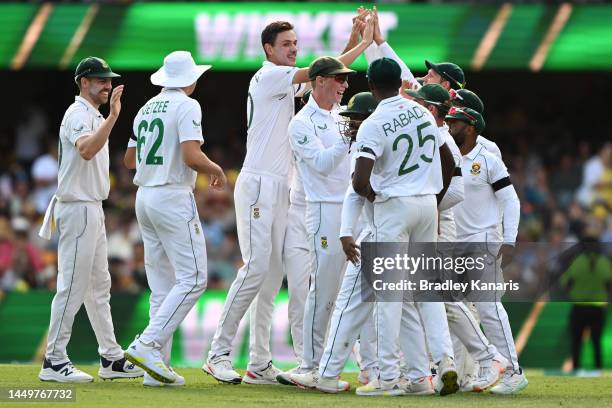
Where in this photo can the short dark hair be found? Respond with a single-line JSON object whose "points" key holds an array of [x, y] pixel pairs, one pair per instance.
{"points": [[269, 34], [386, 87]]}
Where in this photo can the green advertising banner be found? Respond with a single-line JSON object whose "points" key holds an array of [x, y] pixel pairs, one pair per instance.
{"points": [[24, 318], [227, 35]]}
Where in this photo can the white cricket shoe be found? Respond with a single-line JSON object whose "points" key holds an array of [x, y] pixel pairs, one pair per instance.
{"points": [[112, 370], [512, 382], [423, 386], [305, 379], [148, 357], [262, 377], [447, 377], [64, 373], [381, 387], [152, 382], [488, 376], [221, 369], [284, 376], [312, 379]]}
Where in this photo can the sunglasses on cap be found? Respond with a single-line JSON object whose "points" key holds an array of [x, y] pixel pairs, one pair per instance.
{"points": [[452, 80], [454, 110], [455, 95]]}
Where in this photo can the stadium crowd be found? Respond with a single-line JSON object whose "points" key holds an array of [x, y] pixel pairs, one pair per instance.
{"points": [[565, 191]]}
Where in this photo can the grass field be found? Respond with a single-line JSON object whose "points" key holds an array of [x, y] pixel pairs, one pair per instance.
{"points": [[202, 390]]}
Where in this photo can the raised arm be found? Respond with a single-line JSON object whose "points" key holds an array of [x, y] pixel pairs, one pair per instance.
{"points": [[88, 146]]}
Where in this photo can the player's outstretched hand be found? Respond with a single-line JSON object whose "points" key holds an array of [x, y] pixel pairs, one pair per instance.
{"points": [[378, 38], [218, 179], [368, 33], [115, 100], [351, 249]]}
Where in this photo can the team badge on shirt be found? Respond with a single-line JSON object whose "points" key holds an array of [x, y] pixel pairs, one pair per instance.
{"points": [[323, 242], [256, 212], [475, 168]]}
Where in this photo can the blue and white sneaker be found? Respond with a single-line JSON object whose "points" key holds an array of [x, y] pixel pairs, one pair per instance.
{"points": [[112, 370], [64, 373]]}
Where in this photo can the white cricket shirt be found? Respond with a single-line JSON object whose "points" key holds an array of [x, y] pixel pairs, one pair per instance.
{"points": [[270, 108], [322, 156], [160, 126], [477, 216], [80, 179], [403, 139], [490, 146]]}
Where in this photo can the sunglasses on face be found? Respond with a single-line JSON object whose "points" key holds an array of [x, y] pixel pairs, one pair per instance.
{"points": [[340, 78]]}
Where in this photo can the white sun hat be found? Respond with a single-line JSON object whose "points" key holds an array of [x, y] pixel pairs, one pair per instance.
{"points": [[179, 70]]}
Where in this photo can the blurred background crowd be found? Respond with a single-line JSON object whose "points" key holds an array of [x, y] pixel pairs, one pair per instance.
{"points": [[564, 183]]}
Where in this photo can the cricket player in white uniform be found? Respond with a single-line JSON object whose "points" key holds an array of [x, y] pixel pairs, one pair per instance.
{"points": [[407, 183], [351, 313], [487, 189], [322, 159], [76, 210], [464, 328], [298, 272], [464, 361], [165, 151], [261, 196], [440, 344]]}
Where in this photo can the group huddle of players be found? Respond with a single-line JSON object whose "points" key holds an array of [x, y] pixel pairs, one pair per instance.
{"points": [[402, 163]]}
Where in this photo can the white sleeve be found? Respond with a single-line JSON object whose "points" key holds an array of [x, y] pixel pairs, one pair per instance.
{"points": [[80, 124], [189, 124], [351, 208], [369, 143], [278, 79], [372, 53], [386, 51], [310, 150], [506, 197], [455, 192], [511, 208]]}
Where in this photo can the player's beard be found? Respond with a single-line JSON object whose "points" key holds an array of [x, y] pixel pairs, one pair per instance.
{"points": [[98, 97], [459, 136]]}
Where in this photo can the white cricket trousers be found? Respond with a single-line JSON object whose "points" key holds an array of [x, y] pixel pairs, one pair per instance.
{"points": [[327, 264], [401, 219], [294, 252], [295, 262], [469, 342], [82, 277], [495, 322], [261, 202], [175, 258]]}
